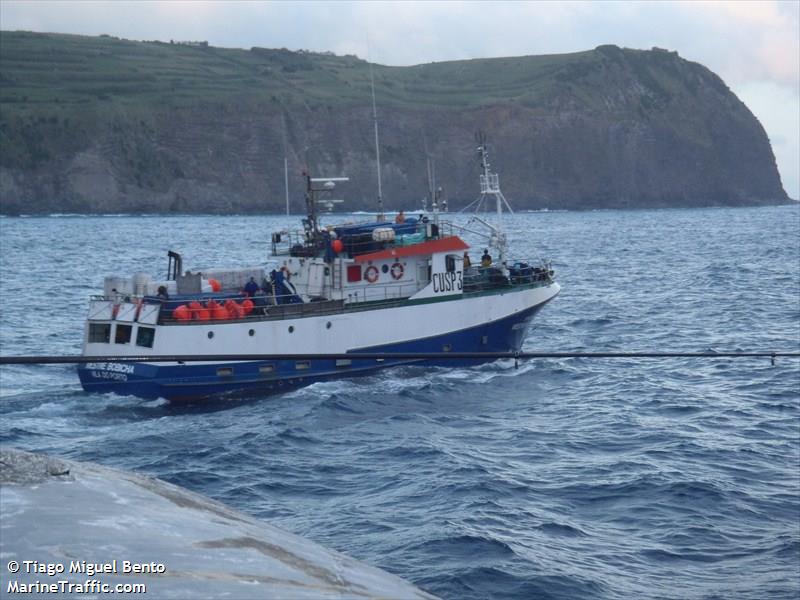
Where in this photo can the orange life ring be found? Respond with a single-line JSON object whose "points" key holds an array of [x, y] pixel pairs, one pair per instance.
{"points": [[371, 274], [397, 271]]}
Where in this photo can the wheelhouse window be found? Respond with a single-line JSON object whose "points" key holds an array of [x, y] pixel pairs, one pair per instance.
{"points": [[123, 334], [450, 263], [99, 333], [145, 337]]}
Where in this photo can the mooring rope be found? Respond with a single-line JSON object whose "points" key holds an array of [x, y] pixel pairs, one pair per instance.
{"points": [[384, 356]]}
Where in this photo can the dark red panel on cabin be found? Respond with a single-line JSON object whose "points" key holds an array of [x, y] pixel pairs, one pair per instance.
{"points": [[353, 273]]}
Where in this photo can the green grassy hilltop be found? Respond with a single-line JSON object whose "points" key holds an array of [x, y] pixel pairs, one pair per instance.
{"points": [[41, 69]]}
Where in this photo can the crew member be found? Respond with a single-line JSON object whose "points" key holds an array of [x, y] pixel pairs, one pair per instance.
{"points": [[251, 287], [486, 259]]}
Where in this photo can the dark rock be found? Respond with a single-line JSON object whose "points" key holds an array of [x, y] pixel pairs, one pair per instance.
{"points": [[23, 468]]}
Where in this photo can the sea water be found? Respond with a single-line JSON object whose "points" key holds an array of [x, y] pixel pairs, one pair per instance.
{"points": [[571, 478]]}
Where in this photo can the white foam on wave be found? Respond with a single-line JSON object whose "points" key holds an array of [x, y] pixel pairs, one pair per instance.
{"points": [[156, 403], [49, 408], [482, 374], [7, 392], [324, 389]]}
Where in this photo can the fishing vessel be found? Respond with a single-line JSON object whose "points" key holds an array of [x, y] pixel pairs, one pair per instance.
{"points": [[349, 289]]}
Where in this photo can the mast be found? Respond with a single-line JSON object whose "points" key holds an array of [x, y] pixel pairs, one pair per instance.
{"points": [[285, 165], [490, 186], [315, 186], [310, 222], [432, 190], [377, 144], [286, 181], [432, 180]]}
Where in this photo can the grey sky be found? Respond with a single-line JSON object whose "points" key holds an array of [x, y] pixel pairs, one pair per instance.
{"points": [[753, 46]]}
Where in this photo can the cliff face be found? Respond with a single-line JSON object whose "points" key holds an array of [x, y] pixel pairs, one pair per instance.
{"points": [[105, 125]]}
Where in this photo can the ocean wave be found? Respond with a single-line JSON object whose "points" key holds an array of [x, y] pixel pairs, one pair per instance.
{"points": [[559, 479]]}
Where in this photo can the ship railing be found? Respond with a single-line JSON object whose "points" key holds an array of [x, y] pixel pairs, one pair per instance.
{"points": [[378, 294], [124, 307], [152, 310], [519, 273], [289, 243], [275, 306], [260, 307], [119, 298]]}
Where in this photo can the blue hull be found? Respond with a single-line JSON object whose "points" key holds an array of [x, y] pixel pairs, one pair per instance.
{"points": [[186, 382]]}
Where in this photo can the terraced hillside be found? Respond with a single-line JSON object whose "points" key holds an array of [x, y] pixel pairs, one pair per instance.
{"points": [[99, 124]]}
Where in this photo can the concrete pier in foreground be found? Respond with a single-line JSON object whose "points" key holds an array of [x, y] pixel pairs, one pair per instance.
{"points": [[69, 529]]}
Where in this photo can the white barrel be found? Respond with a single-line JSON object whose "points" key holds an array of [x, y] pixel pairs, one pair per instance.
{"points": [[114, 284], [111, 284], [140, 282], [383, 234]]}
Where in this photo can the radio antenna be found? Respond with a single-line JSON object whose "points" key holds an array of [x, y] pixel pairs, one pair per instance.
{"points": [[377, 143]]}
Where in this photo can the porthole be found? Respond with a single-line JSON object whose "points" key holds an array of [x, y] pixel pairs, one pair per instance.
{"points": [[328, 325], [291, 328], [385, 268], [210, 334], [251, 333], [447, 348]]}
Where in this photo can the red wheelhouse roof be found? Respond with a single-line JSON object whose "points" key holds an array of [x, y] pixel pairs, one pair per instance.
{"points": [[447, 244]]}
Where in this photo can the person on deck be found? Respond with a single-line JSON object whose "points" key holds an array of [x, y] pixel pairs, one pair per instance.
{"points": [[486, 259], [400, 218], [467, 261], [251, 287], [162, 293]]}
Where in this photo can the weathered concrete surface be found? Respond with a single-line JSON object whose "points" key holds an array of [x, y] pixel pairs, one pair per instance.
{"points": [[62, 513]]}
